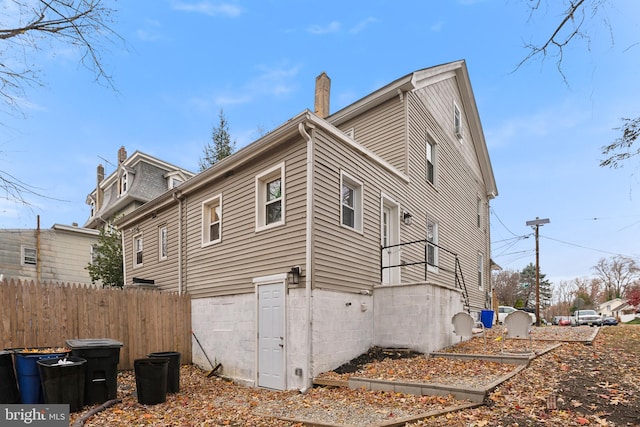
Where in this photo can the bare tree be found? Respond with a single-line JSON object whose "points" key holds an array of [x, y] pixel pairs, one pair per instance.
{"points": [[573, 24], [506, 286], [27, 26], [616, 274]]}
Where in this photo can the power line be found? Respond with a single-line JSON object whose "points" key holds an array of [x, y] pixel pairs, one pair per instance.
{"points": [[500, 221], [585, 247]]}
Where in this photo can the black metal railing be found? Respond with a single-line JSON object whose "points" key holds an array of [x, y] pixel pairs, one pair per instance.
{"points": [[443, 261]]}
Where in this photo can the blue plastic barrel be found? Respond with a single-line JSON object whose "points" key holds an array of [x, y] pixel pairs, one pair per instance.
{"points": [[28, 375], [486, 317]]}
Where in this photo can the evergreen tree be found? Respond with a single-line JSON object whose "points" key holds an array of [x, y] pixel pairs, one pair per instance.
{"points": [[107, 259], [528, 288], [221, 146]]}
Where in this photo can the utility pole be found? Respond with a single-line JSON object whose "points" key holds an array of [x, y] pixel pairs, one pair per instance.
{"points": [[536, 223]]}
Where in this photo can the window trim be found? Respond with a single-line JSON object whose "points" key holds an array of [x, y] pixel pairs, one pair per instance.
{"points": [[163, 243], [124, 182], [358, 208], [261, 182], [430, 152], [433, 267], [207, 205], [136, 238], [458, 130], [24, 257], [480, 271]]}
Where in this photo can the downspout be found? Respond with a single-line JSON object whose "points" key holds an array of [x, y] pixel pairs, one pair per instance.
{"points": [[177, 195], [308, 257]]}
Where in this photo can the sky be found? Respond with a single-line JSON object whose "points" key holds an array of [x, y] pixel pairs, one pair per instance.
{"points": [[180, 62]]}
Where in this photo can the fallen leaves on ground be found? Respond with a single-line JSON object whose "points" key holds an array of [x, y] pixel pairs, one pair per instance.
{"points": [[594, 385]]}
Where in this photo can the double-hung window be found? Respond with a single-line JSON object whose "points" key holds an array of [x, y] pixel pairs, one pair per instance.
{"points": [[270, 198], [350, 202], [212, 220], [124, 183], [163, 246], [432, 244], [431, 162], [137, 250]]}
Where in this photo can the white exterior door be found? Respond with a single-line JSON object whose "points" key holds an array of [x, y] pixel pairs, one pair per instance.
{"points": [[271, 330], [389, 236]]}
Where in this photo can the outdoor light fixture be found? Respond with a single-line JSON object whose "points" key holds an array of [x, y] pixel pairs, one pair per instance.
{"points": [[406, 218], [293, 276]]}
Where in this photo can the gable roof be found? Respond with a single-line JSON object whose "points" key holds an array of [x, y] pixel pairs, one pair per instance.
{"points": [[423, 78]]}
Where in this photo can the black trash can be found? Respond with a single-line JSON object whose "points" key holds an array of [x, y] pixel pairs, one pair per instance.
{"points": [[101, 372], [173, 371], [8, 383], [151, 379], [63, 381]]}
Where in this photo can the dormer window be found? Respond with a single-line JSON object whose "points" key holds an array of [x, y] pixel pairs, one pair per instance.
{"points": [[93, 208], [174, 182], [124, 182]]}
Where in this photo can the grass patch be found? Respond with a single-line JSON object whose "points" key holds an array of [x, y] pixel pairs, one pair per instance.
{"points": [[635, 321]]}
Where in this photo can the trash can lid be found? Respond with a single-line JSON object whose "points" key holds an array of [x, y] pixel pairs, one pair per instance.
{"points": [[93, 343]]}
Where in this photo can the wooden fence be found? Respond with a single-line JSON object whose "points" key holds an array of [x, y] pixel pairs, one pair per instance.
{"points": [[46, 315]]}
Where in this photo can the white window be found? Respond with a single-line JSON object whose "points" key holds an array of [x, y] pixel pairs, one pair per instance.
{"points": [[431, 162], [137, 250], [212, 220], [174, 182], [270, 198], [94, 253], [93, 209], [29, 255], [163, 245], [457, 122], [124, 182], [432, 244], [480, 270], [350, 202], [479, 212]]}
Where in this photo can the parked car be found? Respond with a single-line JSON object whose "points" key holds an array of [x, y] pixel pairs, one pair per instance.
{"points": [[564, 321], [504, 310], [609, 321], [586, 317]]}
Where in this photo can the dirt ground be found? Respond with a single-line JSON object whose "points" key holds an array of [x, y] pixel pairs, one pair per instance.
{"points": [[575, 384]]}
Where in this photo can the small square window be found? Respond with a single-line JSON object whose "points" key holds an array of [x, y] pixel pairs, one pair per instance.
{"points": [[350, 202], [29, 255], [270, 198], [212, 220]]}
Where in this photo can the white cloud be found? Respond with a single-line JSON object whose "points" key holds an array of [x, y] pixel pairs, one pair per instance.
{"points": [[360, 26], [208, 8], [332, 27], [150, 31], [437, 27]]}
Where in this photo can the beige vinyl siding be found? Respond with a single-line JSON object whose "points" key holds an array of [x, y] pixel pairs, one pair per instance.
{"points": [[163, 272], [453, 200], [382, 130], [229, 267], [63, 256], [344, 259]]}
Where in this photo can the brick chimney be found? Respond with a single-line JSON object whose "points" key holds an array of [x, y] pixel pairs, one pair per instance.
{"points": [[323, 90], [99, 190], [122, 155]]}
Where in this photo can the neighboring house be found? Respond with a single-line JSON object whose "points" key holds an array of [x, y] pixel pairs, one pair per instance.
{"points": [[136, 180], [618, 308], [330, 234], [59, 254]]}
